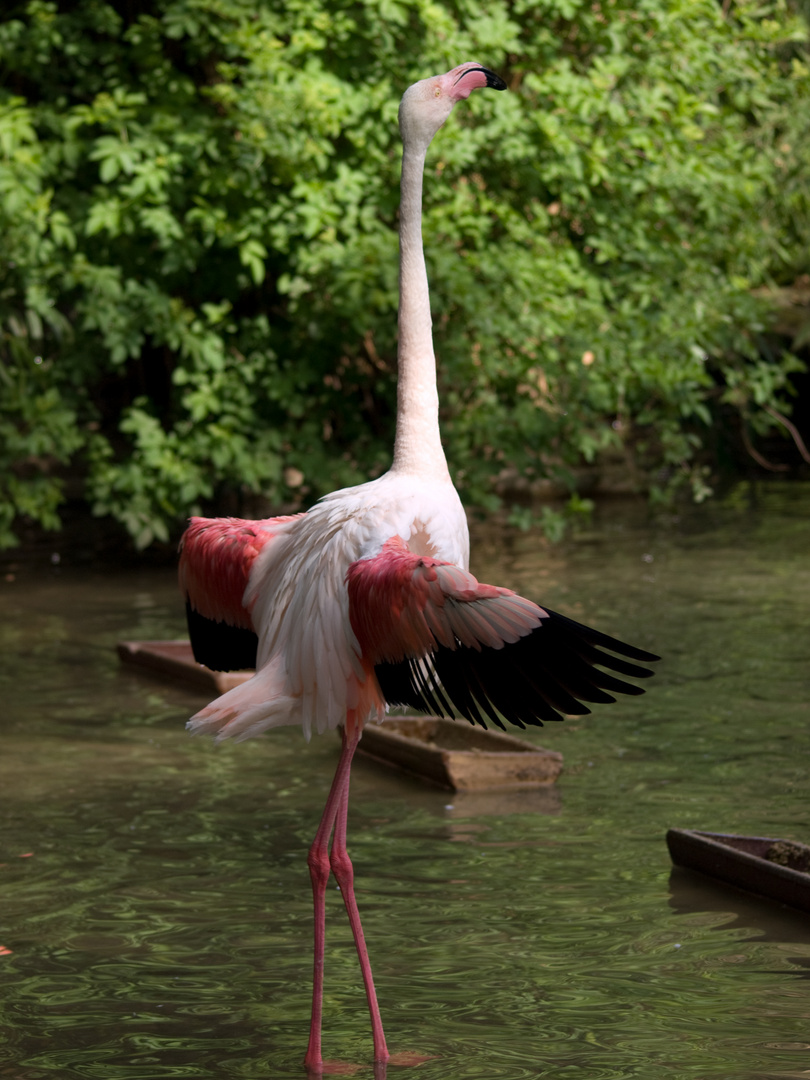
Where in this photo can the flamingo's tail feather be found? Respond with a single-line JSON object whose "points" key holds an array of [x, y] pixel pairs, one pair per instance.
{"points": [[249, 709]]}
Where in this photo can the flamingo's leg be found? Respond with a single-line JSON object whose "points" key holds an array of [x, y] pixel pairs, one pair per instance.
{"points": [[344, 875], [318, 861]]}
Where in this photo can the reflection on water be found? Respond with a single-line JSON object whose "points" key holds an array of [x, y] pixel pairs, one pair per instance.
{"points": [[155, 903]]}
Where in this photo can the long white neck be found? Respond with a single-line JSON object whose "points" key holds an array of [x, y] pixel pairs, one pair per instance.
{"points": [[417, 448]]}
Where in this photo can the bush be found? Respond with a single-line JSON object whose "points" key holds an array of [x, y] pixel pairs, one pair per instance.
{"points": [[198, 200]]}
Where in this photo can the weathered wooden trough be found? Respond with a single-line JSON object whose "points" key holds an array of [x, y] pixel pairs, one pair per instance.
{"points": [[771, 867], [449, 753], [176, 660], [456, 755]]}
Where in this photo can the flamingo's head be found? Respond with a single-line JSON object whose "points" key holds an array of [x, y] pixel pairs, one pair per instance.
{"points": [[426, 105]]}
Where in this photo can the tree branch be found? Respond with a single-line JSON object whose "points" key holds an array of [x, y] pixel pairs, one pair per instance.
{"points": [[792, 429]]}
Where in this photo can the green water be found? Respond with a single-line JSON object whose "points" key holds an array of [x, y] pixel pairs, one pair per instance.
{"points": [[154, 896]]}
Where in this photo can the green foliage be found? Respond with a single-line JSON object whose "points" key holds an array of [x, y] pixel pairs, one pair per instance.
{"points": [[198, 202]]}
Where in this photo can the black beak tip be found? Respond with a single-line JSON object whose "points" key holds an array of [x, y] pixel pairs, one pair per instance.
{"points": [[494, 82]]}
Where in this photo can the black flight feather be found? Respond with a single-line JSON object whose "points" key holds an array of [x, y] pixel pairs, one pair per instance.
{"points": [[549, 672], [219, 645]]}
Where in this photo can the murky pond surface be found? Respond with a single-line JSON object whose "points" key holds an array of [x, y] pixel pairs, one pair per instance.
{"points": [[154, 895]]}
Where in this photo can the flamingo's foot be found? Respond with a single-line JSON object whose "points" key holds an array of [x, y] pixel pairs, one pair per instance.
{"points": [[411, 1057], [404, 1059]]}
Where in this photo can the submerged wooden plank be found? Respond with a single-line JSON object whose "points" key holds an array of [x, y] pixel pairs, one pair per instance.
{"points": [[455, 755], [175, 660], [768, 866]]}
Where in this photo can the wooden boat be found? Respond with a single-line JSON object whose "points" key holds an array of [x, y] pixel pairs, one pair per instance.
{"points": [[453, 754], [175, 660], [768, 866]]}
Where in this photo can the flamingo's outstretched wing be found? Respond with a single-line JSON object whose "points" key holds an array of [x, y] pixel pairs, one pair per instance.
{"points": [[216, 555], [441, 642]]}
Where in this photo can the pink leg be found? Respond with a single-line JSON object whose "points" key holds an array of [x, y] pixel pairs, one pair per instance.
{"points": [[344, 874], [318, 860]]}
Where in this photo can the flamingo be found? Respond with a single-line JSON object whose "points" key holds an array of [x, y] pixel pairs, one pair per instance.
{"points": [[366, 601]]}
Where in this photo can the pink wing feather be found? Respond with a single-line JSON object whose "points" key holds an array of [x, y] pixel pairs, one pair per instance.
{"points": [[216, 556], [404, 605]]}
